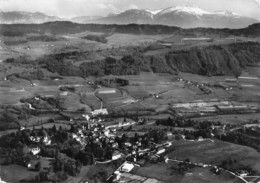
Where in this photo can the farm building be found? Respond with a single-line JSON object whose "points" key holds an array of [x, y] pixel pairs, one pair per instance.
{"points": [[252, 80], [35, 150], [107, 91], [116, 155], [160, 150], [99, 112], [196, 40], [127, 167]]}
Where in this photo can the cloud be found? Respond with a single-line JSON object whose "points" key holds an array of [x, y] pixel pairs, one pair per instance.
{"points": [[133, 6], [257, 2]]}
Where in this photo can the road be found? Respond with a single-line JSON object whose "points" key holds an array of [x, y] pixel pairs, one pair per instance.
{"points": [[101, 102]]}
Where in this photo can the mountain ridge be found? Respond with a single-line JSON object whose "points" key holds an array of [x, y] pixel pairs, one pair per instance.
{"points": [[14, 17], [179, 16], [67, 27]]}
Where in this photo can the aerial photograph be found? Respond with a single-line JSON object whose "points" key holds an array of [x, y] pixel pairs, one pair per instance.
{"points": [[129, 91]]}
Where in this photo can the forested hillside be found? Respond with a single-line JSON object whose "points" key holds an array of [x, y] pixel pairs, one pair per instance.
{"points": [[210, 60], [70, 28]]}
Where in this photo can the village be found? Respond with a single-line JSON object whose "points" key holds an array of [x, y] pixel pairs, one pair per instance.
{"points": [[95, 142]]}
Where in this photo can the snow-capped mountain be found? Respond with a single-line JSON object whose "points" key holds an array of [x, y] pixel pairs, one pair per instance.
{"points": [[17, 17], [184, 9], [127, 17], [181, 16]]}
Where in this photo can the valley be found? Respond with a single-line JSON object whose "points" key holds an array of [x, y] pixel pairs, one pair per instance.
{"points": [[83, 92]]}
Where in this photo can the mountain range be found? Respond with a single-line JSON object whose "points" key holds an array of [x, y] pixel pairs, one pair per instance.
{"points": [[180, 16], [21, 17]]}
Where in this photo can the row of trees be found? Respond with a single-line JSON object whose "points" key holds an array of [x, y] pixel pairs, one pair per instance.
{"points": [[181, 122]]}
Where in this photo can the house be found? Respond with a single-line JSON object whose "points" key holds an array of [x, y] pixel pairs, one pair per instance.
{"points": [[200, 139], [168, 144], [22, 128], [166, 159], [128, 144], [138, 143], [160, 150], [46, 140], [242, 173], [99, 112], [35, 151], [115, 145], [169, 133], [86, 117], [196, 40], [127, 167], [106, 132], [74, 135], [35, 139], [116, 155]]}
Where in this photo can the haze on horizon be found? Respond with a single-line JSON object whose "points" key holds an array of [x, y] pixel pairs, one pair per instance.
{"points": [[73, 8]]}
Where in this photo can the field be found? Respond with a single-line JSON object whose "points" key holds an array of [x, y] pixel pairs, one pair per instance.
{"points": [[16, 173], [235, 119], [168, 173], [39, 48], [18, 46], [113, 98], [215, 152], [143, 40]]}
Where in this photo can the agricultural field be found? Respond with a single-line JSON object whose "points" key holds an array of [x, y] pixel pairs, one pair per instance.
{"points": [[215, 152], [235, 119], [16, 173], [113, 98], [167, 172], [133, 40]]}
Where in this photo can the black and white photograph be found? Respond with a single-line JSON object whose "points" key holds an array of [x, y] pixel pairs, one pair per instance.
{"points": [[129, 91]]}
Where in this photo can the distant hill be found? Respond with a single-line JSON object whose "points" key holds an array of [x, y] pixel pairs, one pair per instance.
{"points": [[84, 19], [69, 28], [21, 17]]}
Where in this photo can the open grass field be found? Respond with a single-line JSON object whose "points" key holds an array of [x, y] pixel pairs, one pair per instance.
{"points": [[36, 49], [128, 39], [235, 119], [169, 173], [15, 173], [72, 102], [114, 98], [215, 152]]}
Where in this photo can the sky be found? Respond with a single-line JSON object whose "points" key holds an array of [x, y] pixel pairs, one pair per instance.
{"points": [[73, 8]]}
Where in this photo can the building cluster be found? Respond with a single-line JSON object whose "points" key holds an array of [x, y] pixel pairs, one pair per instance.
{"points": [[132, 148]]}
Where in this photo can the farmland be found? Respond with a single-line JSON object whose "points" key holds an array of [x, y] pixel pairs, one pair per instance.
{"points": [[113, 98], [215, 152], [168, 173]]}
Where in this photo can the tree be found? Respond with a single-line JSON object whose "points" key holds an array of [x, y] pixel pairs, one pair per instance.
{"points": [[54, 129], [38, 166], [72, 128]]}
